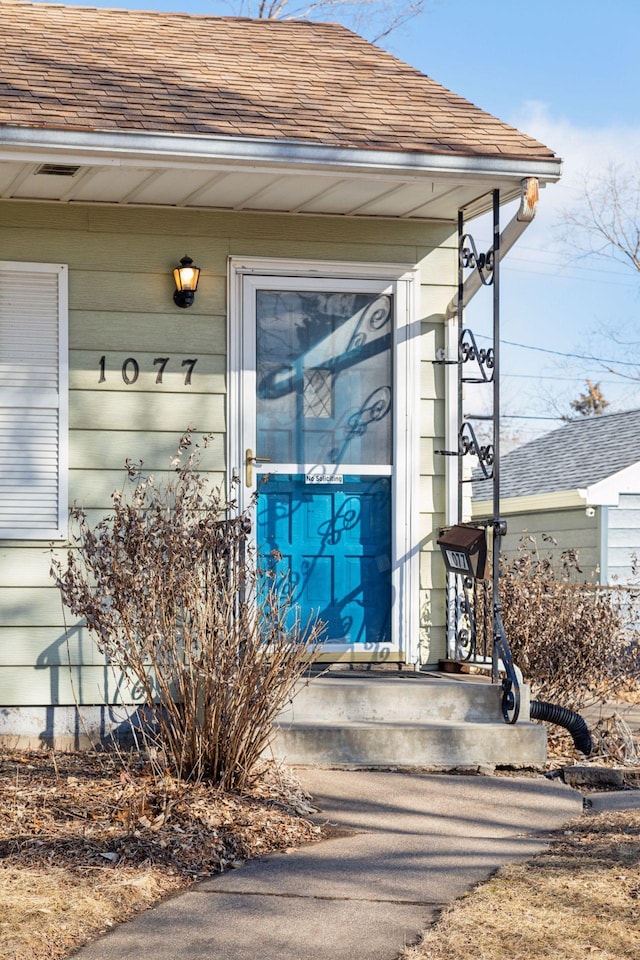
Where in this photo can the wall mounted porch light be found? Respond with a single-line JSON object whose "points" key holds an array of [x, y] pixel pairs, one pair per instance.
{"points": [[186, 279]]}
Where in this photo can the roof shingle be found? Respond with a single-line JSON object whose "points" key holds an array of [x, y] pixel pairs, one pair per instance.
{"points": [[575, 456], [95, 69]]}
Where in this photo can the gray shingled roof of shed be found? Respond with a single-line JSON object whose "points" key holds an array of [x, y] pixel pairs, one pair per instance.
{"points": [[576, 455]]}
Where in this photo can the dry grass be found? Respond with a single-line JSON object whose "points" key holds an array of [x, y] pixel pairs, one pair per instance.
{"points": [[88, 840], [45, 911], [579, 899]]}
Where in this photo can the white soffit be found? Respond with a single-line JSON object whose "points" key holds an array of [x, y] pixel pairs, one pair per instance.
{"points": [[264, 175]]}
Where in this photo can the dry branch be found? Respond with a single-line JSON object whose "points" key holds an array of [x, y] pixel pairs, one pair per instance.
{"points": [[169, 586], [575, 644]]}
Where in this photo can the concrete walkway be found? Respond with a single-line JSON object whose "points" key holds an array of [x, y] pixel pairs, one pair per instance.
{"points": [[401, 847]]}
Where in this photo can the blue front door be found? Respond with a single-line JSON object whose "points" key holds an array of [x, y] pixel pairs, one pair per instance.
{"points": [[332, 542], [324, 448]]}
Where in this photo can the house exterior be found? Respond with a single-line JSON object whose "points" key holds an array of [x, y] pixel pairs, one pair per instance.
{"points": [[316, 181], [580, 485]]}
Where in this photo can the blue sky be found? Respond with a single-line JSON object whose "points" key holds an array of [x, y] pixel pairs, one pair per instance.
{"points": [[566, 72]]}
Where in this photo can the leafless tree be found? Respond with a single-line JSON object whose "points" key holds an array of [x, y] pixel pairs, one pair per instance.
{"points": [[606, 221], [375, 19]]}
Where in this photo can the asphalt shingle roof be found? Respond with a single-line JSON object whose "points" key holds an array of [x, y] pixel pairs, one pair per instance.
{"points": [[105, 70], [576, 455]]}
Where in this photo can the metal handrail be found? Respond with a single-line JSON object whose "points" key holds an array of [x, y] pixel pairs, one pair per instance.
{"points": [[486, 268], [511, 698]]}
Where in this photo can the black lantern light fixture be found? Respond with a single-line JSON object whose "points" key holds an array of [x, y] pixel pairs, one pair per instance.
{"points": [[186, 279], [464, 550]]}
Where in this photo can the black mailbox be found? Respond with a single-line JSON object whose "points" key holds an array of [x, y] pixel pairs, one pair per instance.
{"points": [[464, 550]]}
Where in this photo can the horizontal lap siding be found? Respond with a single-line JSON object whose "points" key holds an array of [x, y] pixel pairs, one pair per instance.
{"points": [[439, 272], [570, 529], [121, 309], [623, 539]]}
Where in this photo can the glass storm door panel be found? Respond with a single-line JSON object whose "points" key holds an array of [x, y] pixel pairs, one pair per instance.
{"points": [[324, 448], [332, 544]]}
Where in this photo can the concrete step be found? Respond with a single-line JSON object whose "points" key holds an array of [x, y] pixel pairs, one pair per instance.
{"points": [[398, 698], [407, 720], [429, 746]]}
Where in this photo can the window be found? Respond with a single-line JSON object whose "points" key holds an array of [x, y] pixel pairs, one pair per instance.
{"points": [[33, 401]]}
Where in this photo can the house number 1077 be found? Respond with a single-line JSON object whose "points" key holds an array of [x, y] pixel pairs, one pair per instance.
{"points": [[131, 369]]}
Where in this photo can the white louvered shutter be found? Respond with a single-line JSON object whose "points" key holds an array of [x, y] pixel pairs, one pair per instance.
{"points": [[33, 401]]}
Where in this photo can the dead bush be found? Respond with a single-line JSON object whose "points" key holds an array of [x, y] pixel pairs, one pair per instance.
{"points": [[575, 643], [169, 586]]}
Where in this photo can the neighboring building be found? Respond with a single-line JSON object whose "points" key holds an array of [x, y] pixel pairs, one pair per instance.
{"points": [[316, 181], [580, 485]]}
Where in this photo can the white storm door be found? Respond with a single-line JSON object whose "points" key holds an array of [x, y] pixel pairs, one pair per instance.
{"points": [[322, 390]]}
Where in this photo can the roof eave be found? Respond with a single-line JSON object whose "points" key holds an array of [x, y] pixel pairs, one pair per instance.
{"points": [[28, 144]]}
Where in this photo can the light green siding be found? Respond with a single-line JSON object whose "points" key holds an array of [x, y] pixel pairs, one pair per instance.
{"points": [[568, 530], [121, 308]]}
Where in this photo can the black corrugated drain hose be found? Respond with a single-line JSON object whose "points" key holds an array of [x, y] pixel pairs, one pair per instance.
{"points": [[573, 722]]}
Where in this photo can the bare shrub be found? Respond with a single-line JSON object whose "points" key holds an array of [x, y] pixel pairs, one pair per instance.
{"points": [[169, 586], [575, 643]]}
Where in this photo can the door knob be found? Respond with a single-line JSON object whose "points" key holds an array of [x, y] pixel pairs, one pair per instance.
{"points": [[250, 459]]}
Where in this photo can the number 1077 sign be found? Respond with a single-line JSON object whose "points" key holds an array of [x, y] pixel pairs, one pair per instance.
{"points": [[130, 369]]}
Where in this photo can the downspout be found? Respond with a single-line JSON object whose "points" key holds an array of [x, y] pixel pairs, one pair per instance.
{"points": [[512, 232], [529, 196]]}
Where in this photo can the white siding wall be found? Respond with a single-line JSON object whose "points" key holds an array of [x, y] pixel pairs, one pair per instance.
{"points": [[623, 539]]}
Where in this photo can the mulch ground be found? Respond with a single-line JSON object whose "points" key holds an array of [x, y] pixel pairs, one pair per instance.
{"points": [[87, 840]]}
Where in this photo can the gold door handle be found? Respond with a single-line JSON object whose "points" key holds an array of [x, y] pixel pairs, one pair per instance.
{"points": [[248, 466]]}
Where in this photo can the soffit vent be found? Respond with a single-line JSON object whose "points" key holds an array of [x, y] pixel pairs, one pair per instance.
{"points": [[57, 170]]}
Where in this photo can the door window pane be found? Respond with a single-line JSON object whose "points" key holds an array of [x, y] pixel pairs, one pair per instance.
{"points": [[324, 377], [329, 547]]}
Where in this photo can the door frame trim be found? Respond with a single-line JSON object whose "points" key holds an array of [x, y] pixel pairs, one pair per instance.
{"points": [[405, 515]]}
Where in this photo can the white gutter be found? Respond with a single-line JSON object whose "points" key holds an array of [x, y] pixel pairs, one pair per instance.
{"points": [[115, 148], [511, 233]]}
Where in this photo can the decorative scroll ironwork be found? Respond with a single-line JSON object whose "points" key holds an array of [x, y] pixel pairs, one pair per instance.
{"points": [[468, 350], [465, 623], [502, 657], [473, 620], [476, 631], [470, 259], [469, 443], [476, 642]]}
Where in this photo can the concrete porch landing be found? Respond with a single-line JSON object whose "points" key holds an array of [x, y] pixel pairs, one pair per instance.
{"points": [[429, 721]]}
